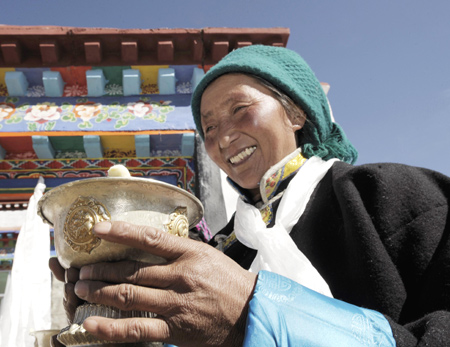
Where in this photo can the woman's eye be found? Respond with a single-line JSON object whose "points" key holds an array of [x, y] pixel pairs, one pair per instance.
{"points": [[208, 129], [238, 108]]}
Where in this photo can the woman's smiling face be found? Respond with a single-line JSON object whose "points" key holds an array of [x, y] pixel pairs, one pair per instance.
{"points": [[246, 129]]}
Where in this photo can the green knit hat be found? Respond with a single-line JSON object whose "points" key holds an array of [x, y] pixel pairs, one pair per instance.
{"points": [[289, 73]]}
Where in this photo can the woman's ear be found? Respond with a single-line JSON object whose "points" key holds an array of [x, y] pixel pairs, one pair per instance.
{"points": [[296, 127], [298, 123]]}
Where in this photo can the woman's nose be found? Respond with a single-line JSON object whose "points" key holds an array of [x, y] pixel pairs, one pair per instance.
{"points": [[224, 141]]}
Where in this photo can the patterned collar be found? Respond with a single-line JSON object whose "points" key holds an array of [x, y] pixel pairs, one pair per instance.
{"points": [[271, 188]]}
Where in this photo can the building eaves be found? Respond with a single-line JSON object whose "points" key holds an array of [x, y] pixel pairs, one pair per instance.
{"points": [[52, 46]]}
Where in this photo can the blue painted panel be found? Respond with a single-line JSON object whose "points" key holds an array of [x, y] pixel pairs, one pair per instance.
{"points": [[142, 145], [183, 73], [96, 82], [34, 75], [16, 83], [131, 80], [197, 75], [42, 147], [93, 146], [131, 113], [166, 81], [161, 143], [53, 83], [188, 145]]}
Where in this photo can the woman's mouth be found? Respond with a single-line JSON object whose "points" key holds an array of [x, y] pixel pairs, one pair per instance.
{"points": [[241, 156]]}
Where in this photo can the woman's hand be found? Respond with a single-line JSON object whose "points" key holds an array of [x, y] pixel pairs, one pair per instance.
{"points": [[70, 300], [200, 295], [70, 277]]}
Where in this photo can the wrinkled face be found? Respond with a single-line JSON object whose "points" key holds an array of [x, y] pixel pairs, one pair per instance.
{"points": [[246, 129]]}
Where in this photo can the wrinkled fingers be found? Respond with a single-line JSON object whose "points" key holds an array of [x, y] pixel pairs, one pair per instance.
{"points": [[70, 301], [133, 272], [146, 238], [124, 296], [128, 330]]}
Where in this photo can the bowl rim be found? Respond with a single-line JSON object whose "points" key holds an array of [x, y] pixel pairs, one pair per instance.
{"points": [[152, 181]]}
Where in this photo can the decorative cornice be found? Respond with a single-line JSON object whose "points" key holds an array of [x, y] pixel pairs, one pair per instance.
{"points": [[52, 46]]}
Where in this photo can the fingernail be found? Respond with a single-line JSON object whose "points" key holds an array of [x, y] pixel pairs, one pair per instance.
{"points": [[85, 272], [90, 325], [102, 228], [81, 289]]}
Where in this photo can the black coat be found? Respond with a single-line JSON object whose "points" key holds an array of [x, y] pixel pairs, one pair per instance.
{"points": [[379, 235]]}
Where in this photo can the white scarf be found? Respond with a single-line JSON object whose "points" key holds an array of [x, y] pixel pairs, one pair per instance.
{"points": [[277, 252]]}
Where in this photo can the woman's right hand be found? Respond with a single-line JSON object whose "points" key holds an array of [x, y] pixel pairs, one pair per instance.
{"points": [[200, 295]]}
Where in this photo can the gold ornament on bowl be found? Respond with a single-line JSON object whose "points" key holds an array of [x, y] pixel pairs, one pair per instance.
{"points": [[84, 213], [74, 208]]}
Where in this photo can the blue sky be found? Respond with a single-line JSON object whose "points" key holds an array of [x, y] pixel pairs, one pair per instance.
{"points": [[387, 61]]}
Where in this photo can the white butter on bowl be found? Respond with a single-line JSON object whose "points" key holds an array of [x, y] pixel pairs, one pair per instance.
{"points": [[118, 171]]}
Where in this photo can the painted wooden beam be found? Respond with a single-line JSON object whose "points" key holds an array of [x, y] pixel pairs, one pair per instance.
{"points": [[197, 51], [2, 153], [130, 52], [197, 75], [166, 81], [93, 146], [131, 81], [142, 145], [219, 49], [42, 147], [188, 145], [49, 52], [53, 83], [93, 52], [165, 51], [12, 53], [96, 82], [16, 83], [241, 44]]}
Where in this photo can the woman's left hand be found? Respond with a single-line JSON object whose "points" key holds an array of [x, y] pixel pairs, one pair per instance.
{"points": [[200, 295]]}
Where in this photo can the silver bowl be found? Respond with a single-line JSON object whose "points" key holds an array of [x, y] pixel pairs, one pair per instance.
{"points": [[74, 208]]}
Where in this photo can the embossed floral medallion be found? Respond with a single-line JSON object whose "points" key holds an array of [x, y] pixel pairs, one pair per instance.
{"points": [[84, 213]]}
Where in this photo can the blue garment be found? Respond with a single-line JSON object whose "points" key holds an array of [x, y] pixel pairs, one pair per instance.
{"points": [[285, 313]]}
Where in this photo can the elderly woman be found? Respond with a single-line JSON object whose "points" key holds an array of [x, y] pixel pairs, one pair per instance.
{"points": [[338, 255]]}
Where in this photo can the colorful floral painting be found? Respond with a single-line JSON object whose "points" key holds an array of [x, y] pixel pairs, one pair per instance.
{"points": [[42, 116], [36, 91], [3, 90], [149, 89], [113, 89], [75, 81], [75, 90], [87, 110], [140, 109], [6, 110], [184, 88], [95, 114]]}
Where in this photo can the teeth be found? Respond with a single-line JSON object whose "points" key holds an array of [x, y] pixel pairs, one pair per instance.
{"points": [[245, 153]]}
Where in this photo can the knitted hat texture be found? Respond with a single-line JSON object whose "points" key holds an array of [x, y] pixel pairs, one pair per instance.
{"points": [[289, 73]]}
